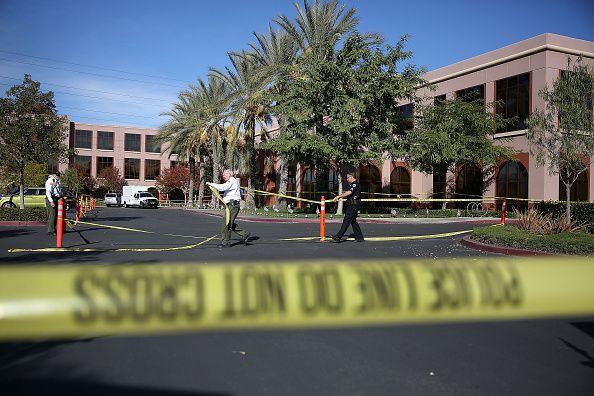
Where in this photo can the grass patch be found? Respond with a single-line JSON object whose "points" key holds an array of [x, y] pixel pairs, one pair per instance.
{"points": [[577, 243]]}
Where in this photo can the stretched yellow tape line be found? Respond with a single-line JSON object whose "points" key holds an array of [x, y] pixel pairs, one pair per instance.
{"points": [[137, 230], [215, 192], [88, 300], [392, 238]]}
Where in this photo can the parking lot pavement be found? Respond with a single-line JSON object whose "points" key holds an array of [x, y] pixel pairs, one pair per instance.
{"points": [[137, 235]]}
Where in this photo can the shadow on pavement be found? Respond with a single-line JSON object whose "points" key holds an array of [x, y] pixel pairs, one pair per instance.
{"points": [[12, 233], [87, 388]]}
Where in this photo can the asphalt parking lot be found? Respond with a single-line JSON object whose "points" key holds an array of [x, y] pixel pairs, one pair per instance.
{"points": [[178, 235], [526, 357]]}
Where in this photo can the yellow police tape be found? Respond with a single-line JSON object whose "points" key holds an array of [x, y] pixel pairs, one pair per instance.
{"points": [[389, 238], [215, 192], [90, 300]]}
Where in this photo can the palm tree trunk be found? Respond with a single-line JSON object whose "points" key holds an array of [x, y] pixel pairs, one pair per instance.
{"points": [[202, 180], [568, 201], [192, 162], [215, 171], [281, 203]]}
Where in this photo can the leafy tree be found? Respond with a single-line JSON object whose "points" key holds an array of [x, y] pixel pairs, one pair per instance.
{"points": [[454, 132], [562, 134], [344, 109], [177, 177], [35, 174], [72, 179], [111, 179], [30, 129]]}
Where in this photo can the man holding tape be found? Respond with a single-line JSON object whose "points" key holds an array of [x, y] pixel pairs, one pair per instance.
{"points": [[353, 196], [231, 199]]}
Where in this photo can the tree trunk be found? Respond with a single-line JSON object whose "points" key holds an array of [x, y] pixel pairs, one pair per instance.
{"points": [[568, 200], [22, 188], [281, 202], [215, 172], [192, 162], [340, 204], [250, 201], [202, 181]]}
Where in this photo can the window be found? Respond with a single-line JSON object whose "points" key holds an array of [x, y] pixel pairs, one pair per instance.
{"points": [[172, 164], [83, 164], [132, 142], [512, 182], [400, 184], [102, 163], [52, 166], [152, 169], [439, 183], [149, 146], [513, 101], [105, 140], [578, 191], [308, 184], [581, 92], [83, 139], [472, 94], [131, 168], [406, 117], [439, 98], [371, 182], [469, 184]]}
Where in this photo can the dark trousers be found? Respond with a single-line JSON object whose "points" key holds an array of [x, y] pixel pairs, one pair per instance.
{"points": [[230, 225], [52, 215], [350, 218]]}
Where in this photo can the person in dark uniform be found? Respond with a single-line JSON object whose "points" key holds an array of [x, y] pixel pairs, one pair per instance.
{"points": [[353, 196]]}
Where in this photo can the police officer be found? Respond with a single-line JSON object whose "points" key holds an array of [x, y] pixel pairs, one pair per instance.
{"points": [[353, 196], [231, 198], [52, 194]]}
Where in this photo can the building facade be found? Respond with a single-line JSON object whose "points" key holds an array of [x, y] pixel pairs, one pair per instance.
{"points": [[513, 75], [129, 149]]}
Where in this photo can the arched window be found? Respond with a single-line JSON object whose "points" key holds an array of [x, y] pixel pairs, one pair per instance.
{"points": [[469, 184], [400, 184], [579, 189], [512, 182], [371, 182], [308, 184]]}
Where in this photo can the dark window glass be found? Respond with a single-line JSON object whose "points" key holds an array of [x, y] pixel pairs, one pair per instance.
{"points": [[172, 164], [406, 117], [52, 166], [83, 163], [439, 183], [371, 183], [292, 179], [105, 140], [512, 182], [472, 94], [578, 191], [132, 142], [400, 184], [469, 184], [102, 163], [439, 99], [513, 101], [131, 168], [308, 184], [152, 169], [83, 139], [149, 146]]}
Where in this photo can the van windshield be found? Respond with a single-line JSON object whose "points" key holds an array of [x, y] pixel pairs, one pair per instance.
{"points": [[146, 195]]}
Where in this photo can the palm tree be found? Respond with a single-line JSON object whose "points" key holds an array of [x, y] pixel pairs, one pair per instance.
{"points": [[319, 27]]}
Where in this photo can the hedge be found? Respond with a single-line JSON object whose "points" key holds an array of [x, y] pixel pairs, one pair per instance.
{"points": [[581, 212], [27, 214], [565, 243]]}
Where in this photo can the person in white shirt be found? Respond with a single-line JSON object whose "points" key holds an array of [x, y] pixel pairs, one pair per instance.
{"points": [[231, 198], [52, 194]]}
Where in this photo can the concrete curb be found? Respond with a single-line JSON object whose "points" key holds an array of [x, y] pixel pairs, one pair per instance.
{"points": [[22, 223], [510, 251]]}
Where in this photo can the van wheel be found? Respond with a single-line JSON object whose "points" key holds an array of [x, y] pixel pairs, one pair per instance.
{"points": [[8, 205], [125, 206], [141, 205]]}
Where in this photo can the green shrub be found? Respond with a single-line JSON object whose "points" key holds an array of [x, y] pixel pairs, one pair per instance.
{"points": [[565, 243], [27, 214], [581, 212]]}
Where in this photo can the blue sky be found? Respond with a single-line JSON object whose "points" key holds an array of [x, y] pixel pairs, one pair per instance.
{"points": [[122, 62]]}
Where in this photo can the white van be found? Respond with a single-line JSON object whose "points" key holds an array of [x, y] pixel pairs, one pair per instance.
{"points": [[138, 196]]}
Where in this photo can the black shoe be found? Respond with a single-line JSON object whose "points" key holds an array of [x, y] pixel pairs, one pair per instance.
{"points": [[223, 245], [246, 239], [335, 238], [360, 240], [51, 233]]}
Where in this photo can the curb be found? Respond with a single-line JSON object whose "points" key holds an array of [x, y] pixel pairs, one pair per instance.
{"points": [[22, 223], [510, 251]]}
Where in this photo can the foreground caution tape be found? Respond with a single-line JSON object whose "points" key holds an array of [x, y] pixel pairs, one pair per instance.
{"points": [[70, 301]]}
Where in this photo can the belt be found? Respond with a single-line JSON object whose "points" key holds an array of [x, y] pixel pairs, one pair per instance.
{"points": [[233, 202]]}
